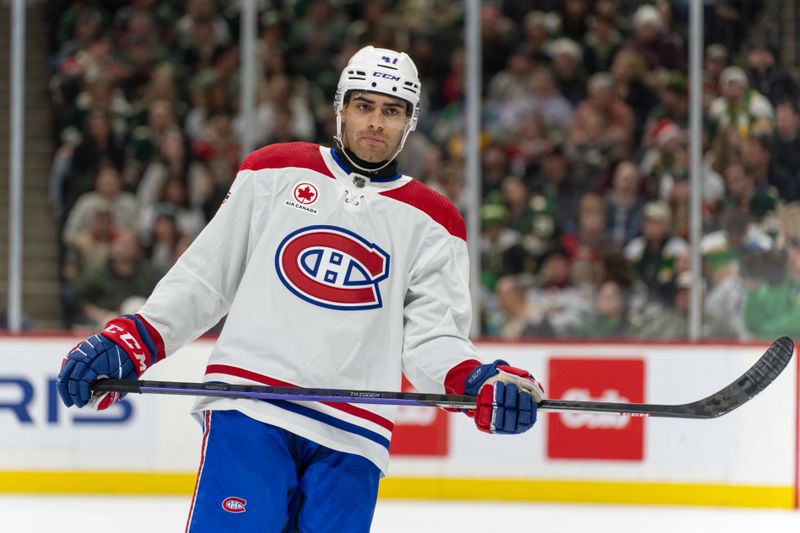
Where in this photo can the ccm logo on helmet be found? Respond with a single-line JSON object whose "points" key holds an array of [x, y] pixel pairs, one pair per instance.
{"points": [[232, 504], [332, 267], [386, 76]]}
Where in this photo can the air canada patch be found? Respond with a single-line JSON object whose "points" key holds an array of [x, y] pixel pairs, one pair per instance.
{"points": [[232, 504], [304, 195], [332, 267]]}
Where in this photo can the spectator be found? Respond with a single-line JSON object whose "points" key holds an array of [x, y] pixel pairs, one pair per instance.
{"points": [[209, 97], [198, 46], [589, 243], [99, 94], [173, 198], [313, 39], [624, 205], [767, 76], [501, 247], [553, 182], [495, 168], [544, 99], [744, 197], [90, 248], [673, 323], [174, 162], [665, 162], [100, 293], [164, 241], [562, 303], [652, 40], [741, 106], [161, 86], [283, 95], [142, 147], [654, 252], [609, 317], [771, 306], [786, 153], [601, 43], [673, 104], [757, 160], [514, 81], [97, 147], [574, 18], [528, 144], [219, 144], [516, 197], [108, 195], [567, 66], [715, 61], [202, 12], [629, 71], [539, 27], [516, 319], [449, 181], [498, 40], [617, 118]]}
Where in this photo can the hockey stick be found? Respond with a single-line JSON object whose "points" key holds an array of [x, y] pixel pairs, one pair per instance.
{"points": [[756, 379]]}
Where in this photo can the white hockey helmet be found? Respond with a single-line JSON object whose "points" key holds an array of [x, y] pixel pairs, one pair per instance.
{"points": [[384, 71]]}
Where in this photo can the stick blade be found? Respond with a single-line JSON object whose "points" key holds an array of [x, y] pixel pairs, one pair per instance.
{"points": [[755, 380]]}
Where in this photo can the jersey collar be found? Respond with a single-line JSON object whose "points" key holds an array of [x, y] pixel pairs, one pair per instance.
{"points": [[387, 174]]}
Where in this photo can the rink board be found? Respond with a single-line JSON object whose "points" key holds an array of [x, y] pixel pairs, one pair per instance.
{"points": [[150, 445]]}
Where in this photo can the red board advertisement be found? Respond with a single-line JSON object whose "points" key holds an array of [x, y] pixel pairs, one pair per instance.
{"points": [[580, 435], [420, 431]]}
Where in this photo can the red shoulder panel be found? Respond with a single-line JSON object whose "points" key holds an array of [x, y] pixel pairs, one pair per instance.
{"points": [[297, 154], [433, 204]]}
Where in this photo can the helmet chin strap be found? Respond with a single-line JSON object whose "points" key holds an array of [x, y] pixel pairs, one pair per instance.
{"points": [[340, 143]]}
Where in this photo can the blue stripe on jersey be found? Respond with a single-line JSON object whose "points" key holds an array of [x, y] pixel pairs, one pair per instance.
{"points": [[331, 421], [327, 419], [345, 168]]}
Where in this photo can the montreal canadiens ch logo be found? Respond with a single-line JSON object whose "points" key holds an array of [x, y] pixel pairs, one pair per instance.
{"points": [[332, 267], [232, 504]]}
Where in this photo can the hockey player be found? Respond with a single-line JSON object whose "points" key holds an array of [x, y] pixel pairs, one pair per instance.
{"points": [[334, 270]]}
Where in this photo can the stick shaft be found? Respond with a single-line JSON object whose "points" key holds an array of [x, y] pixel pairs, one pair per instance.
{"points": [[756, 379]]}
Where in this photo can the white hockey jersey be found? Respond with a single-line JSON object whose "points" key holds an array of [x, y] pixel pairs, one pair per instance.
{"points": [[326, 284]]}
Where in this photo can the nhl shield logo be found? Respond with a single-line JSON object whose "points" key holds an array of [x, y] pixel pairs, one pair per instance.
{"points": [[332, 267]]}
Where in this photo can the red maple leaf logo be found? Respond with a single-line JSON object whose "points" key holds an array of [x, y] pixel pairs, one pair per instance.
{"points": [[305, 193]]}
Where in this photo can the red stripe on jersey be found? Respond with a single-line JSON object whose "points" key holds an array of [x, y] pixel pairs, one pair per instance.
{"points": [[433, 204], [298, 154], [266, 380], [203, 448]]}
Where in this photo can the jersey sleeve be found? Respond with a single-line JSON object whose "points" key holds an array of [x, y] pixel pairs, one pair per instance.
{"points": [[437, 314], [198, 290]]}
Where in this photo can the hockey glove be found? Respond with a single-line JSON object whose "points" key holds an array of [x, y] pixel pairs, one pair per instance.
{"points": [[506, 397], [123, 350]]}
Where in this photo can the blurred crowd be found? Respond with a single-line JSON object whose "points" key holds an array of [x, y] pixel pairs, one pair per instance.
{"points": [[585, 154]]}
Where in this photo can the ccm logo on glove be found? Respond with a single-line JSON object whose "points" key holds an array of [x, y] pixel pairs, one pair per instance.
{"points": [[506, 396], [123, 350], [121, 335]]}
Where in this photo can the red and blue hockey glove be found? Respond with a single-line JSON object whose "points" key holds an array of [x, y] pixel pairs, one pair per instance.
{"points": [[123, 350], [506, 397]]}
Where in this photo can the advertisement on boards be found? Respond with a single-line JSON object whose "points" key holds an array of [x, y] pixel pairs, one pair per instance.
{"points": [[582, 435]]}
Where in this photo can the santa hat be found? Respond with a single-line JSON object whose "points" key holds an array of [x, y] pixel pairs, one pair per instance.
{"points": [[664, 131]]}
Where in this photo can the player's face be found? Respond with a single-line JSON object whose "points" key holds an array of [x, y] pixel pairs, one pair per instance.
{"points": [[372, 125]]}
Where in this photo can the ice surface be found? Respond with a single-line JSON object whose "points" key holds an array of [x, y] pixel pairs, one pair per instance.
{"points": [[36, 514]]}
